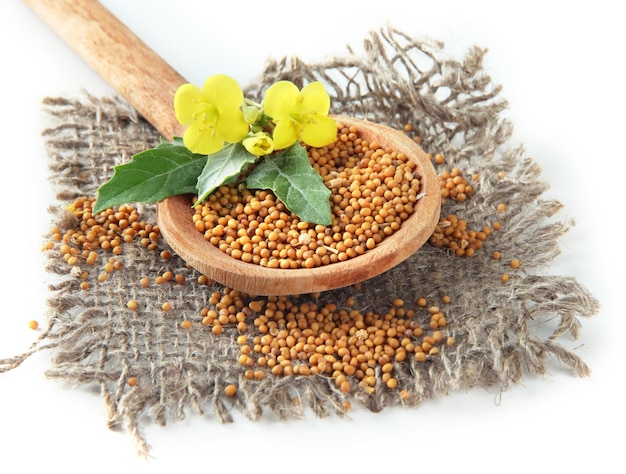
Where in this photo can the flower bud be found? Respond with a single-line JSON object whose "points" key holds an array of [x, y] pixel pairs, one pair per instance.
{"points": [[259, 144], [250, 113]]}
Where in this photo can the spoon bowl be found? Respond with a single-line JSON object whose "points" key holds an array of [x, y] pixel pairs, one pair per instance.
{"points": [[174, 216]]}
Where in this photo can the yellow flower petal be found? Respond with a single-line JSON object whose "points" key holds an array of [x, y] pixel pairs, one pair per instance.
{"points": [[186, 103], [232, 126], [285, 134], [315, 99], [280, 99], [223, 92], [319, 131], [202, 139]]}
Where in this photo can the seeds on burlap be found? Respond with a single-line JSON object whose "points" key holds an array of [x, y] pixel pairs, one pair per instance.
{"points": [[107, 231], [454, 185], [293, 336], [373, 191], [277, 336], [452, 233]]}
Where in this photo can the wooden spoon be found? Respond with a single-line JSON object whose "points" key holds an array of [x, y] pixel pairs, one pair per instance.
{"points": [[148, 83]]}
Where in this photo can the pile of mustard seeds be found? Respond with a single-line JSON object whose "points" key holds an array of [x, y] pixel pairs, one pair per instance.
{"points": [[373, 191]]}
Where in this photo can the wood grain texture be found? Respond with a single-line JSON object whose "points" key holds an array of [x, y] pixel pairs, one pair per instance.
{"points": [[141, 76], [175, 221]]}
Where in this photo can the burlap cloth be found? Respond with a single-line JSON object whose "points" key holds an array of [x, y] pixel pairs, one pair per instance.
{"points": [[503, 331]]}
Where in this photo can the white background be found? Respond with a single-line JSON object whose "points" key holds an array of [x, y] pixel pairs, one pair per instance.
{"points": [[563, 74]]}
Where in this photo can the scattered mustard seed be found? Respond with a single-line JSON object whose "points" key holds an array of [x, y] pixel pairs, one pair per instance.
{"points": [[453, 185], [132, 305], [452, 233]]}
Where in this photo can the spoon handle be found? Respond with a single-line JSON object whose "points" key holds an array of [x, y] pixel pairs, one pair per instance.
{"points": [[134, 70]]}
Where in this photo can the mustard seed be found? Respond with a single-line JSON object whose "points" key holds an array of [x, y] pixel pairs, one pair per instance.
{"points": [[203, 280], [392, 383], [132, 305]]}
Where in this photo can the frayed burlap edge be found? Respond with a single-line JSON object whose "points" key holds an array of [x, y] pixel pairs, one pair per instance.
{"points": [[502, 331]]}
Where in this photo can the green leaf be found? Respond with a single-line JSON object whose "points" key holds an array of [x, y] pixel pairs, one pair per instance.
{"points": [[152, 175], [222, 166], [295, 182]]}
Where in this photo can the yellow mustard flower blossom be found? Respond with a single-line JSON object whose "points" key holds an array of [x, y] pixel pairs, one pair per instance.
{"points": [[259, 144], [213, 114], [300, 115]]}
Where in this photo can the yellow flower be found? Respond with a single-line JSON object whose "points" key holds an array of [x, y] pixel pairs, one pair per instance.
{"points": [[300, 115], [259, 144], [212, 114]]}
